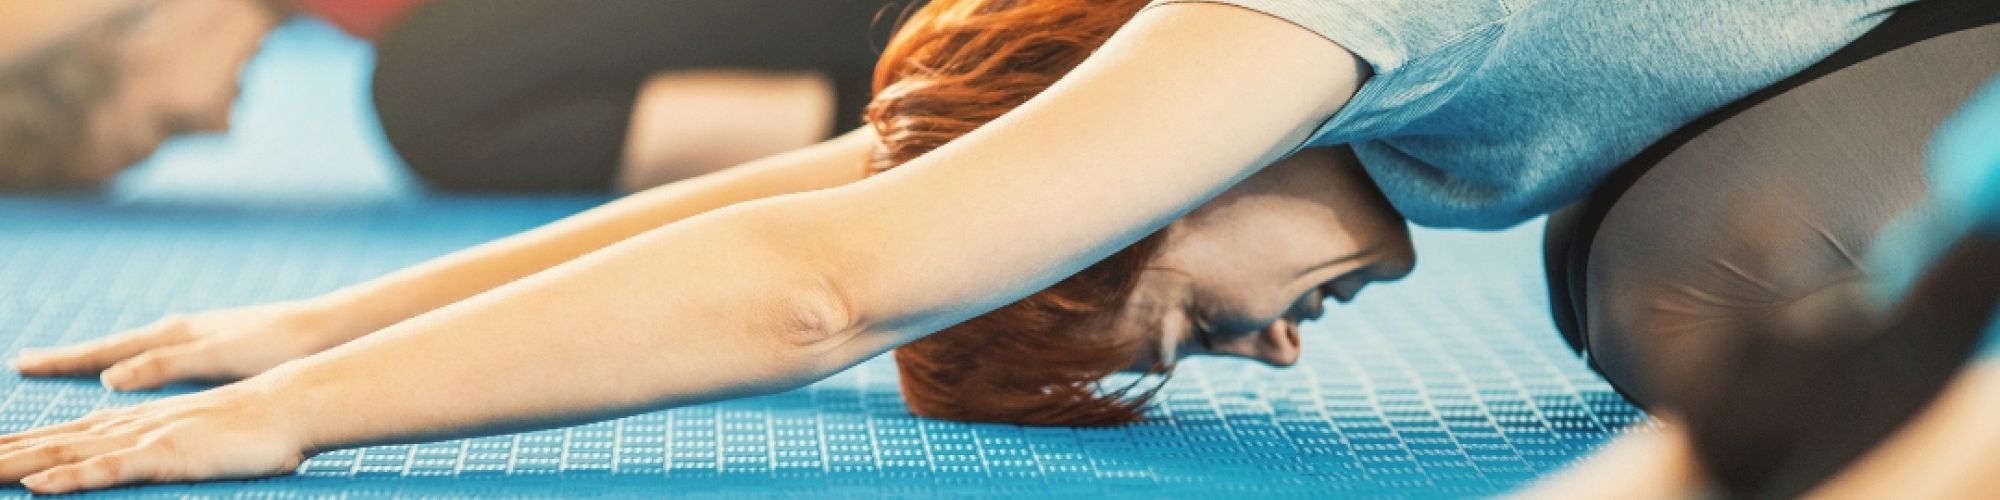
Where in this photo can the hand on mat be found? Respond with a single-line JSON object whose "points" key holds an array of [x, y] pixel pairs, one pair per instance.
{"points": [[231, 432], [216, 346]]}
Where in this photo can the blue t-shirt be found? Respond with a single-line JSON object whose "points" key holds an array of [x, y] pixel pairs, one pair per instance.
{"points": [[1485, 113]]}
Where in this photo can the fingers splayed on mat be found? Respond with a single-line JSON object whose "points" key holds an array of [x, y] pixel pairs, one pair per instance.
{"points": [[219, 434]]}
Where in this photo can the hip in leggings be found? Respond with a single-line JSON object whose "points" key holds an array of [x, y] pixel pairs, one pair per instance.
{"points": [[536, 95], [1763, 210]]}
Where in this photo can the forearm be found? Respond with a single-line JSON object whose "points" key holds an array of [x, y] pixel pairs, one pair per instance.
{"points": [[378, 303], [715, 307]]}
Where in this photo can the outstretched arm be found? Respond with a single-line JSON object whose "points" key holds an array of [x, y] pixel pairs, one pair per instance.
{"points": [[773, 294], [391, 299], [232, 344]]}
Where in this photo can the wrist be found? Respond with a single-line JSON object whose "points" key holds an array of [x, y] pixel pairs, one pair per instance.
{"points": [[283, 403], [294, 400]]}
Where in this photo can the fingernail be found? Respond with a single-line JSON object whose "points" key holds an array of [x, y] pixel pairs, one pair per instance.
{"points": [[111, 378], [36, 481]]}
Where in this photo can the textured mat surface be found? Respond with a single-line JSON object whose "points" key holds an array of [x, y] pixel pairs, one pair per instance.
{"points": [[1451, 383]]}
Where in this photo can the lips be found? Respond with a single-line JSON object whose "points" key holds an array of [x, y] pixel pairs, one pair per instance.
{"points": [[1315, 308]]}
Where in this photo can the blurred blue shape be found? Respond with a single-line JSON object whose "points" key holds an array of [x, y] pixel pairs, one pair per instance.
{"points": [[1965, 161], [1965, 186], [1965, 173]]}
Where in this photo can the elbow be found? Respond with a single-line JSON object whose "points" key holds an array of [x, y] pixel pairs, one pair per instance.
{"points": [[818, 316], [815, 337], [800, 282], [815, 321]]}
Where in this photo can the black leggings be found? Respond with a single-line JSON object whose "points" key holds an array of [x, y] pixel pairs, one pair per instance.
{"points": [[536, 95], [1761, 213]]}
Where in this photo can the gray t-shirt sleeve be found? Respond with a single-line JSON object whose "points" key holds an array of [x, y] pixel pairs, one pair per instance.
{"points": [[1386, 33], [1416, 49]]}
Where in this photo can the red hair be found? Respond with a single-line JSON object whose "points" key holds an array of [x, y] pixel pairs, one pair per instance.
{"points": [[955, 65]]}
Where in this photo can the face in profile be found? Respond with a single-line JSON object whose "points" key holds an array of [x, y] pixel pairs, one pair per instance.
{"points": [[1233, 277], [1238, 275], [177, 72]]}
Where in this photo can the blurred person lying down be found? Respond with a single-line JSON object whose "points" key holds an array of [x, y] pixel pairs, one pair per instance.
{"points": [[536, 95]]}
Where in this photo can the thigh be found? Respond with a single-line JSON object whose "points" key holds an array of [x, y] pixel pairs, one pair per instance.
{"points": [[1728, 286], [1768, 214]]}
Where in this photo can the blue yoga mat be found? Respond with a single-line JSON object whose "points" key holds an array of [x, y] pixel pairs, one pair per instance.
{"points": [[1451, 383]]}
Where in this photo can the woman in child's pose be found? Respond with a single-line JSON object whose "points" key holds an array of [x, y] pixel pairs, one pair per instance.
{"points": [[1199, 183]]}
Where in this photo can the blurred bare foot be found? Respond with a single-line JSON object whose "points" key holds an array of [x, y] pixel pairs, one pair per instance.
{"points": [[1952, 450]]}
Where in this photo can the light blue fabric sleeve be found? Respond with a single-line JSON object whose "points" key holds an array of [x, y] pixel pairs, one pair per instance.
{"points": [[1386, 33], [1392, 36]]}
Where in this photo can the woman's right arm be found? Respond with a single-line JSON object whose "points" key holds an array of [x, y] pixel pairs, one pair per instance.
{"points": [[235, 343]]}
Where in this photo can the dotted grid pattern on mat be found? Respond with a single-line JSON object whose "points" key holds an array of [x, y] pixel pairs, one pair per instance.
{"points": [[1451, 383]]}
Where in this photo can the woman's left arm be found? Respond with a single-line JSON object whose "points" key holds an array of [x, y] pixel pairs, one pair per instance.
{"points": [[770, 295]]}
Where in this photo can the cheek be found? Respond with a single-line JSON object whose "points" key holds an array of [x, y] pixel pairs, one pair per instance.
{"points": [[1240, 305], [1257, 261], [1256, 287]]}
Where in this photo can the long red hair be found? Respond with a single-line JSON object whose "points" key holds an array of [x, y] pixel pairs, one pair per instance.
{"points": [[953, 66]]}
